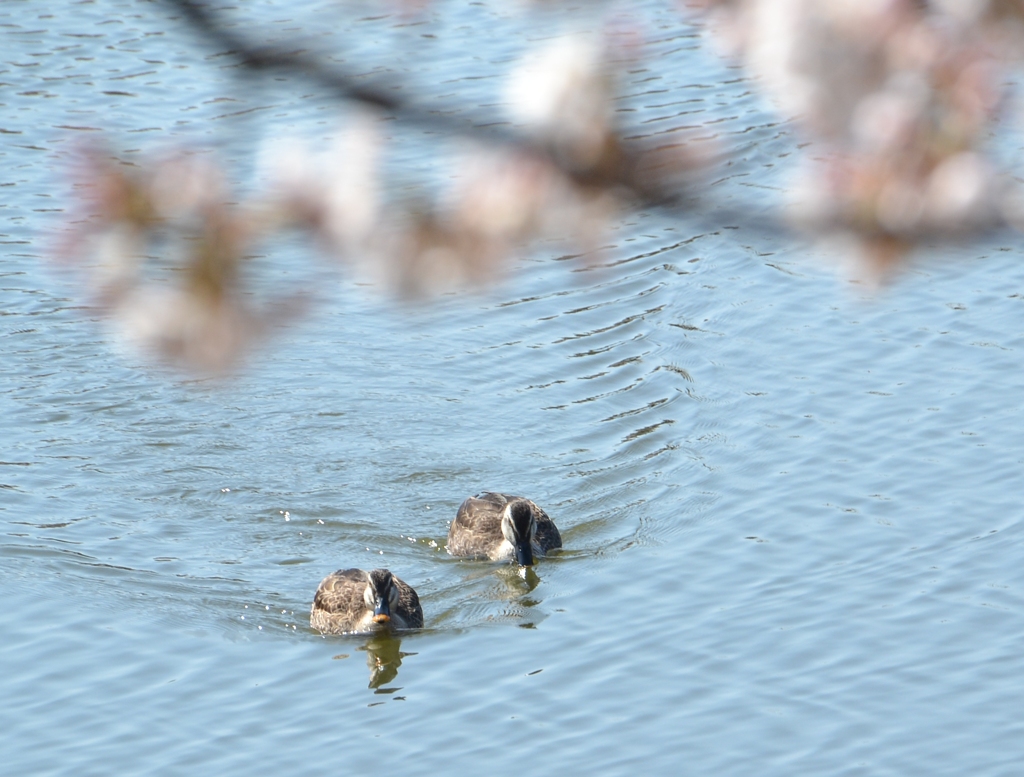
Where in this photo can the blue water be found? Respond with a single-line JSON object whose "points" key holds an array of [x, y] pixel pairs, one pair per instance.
{"points": [[790, 505]]}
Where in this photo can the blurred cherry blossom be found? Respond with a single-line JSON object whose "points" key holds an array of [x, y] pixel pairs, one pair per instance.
{"points": [[187, 308], [336, 193], [562, 92], [897, 97], [895, 100]]}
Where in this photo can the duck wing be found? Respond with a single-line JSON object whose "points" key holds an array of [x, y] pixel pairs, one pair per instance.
{"points": [[341, 594], [477, 525]]}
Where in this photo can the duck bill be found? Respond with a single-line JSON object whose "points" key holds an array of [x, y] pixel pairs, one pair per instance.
{"points": [[382, 612], [524, 554]]}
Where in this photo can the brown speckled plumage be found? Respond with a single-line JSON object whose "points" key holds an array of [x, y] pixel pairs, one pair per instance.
{"points": [[476, 530], [340, 604]]}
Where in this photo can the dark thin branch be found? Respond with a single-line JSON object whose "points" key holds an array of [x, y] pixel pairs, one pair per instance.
{"points": [[614, 170], [269, 58]]}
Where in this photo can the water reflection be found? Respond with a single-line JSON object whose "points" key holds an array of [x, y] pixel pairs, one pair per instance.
{"points": [[517, 580], [506, 583], [514, 584], [383, 657]]}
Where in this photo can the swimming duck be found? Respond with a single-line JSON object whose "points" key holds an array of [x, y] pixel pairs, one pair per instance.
{"points": [[358, 602], [500, 526]]}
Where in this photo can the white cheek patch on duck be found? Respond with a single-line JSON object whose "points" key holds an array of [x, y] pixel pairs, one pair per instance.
{"points": [[504, 551], [508, 531]]}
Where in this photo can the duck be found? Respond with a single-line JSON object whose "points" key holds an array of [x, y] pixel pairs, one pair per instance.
{"points": [[501, 526], [352, 601]]}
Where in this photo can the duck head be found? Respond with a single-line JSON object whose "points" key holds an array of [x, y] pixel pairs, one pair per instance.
{"points": [[518, 526], [381, 595]]}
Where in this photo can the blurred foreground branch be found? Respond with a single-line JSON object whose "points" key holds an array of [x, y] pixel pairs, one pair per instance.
{"points": [[897, 98]]}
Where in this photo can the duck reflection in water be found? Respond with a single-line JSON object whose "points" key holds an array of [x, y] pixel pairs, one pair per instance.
{"points": [[383, 657], [488, 594], [516, 580]]}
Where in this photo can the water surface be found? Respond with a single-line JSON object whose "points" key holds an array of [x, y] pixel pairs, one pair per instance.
{"points": [[790, 507]]}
